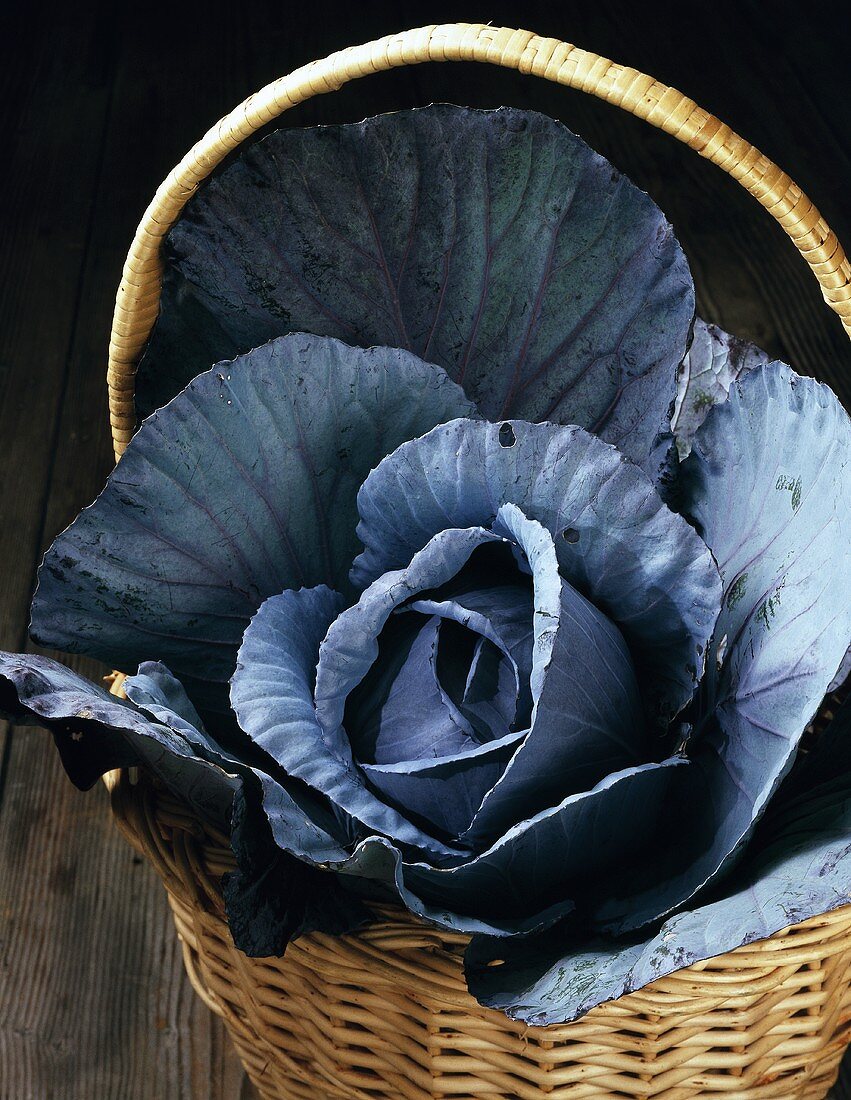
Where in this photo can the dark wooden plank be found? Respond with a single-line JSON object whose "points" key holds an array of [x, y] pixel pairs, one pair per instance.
{"points": [[107, 1009], [41, 255], [100, 1005], [109, 1013], [52, 93]]}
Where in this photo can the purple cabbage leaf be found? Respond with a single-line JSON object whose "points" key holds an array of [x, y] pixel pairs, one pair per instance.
{"points": [[714, 361], [272, 896], [768, 485], [798, 866], [242, 486], [614, 539], [493, 243]]}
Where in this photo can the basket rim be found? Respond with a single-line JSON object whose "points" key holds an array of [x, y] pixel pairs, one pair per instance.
{"points": [[137, 300]]}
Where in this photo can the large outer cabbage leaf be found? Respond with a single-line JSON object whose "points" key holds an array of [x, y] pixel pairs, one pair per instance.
{"points": [[768, 483], [243, 486], [96, 732], [842, 673], [798, 866], [494, 243], [714, 361]]}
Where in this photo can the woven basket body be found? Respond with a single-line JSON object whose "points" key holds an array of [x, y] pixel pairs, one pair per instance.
{"points": [[385, 1014]]}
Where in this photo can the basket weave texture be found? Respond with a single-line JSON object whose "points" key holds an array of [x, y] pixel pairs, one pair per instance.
{"points": [[385, 1014]]}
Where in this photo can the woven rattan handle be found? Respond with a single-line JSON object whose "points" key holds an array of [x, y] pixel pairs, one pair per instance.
{"points": [[138, 295]]}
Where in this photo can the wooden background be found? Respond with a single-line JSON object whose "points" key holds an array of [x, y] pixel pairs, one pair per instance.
{"points": [[97, 104]]}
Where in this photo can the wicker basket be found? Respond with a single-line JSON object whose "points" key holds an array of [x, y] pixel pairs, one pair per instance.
{"points": [[385, 1014]]}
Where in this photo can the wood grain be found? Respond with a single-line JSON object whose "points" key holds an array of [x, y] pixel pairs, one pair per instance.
{"points": [[95, 108], [93, 998]]}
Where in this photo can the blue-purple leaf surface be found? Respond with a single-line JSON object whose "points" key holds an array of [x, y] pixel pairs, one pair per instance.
{"points": [[271, 897], [549, 860], [636, 561], [842, 673], [768, 483], [799, 866], [587, 721], [96, 732], [372, 842], [493, 243], [244, 485], [272, 696], [405, 677]]}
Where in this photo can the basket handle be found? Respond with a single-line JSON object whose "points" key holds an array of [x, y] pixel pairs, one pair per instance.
{"points": [[137, 302]]}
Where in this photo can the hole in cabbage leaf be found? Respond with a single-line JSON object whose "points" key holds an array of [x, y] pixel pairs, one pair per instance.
{"points": [[497, 962], [571, 535], [507, 438]]}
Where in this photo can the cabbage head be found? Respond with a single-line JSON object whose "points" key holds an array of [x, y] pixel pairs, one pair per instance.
{"points": [[442, 593]]}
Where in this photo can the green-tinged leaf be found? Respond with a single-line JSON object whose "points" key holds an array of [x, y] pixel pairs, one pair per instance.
{"points": [[713, 363]]}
